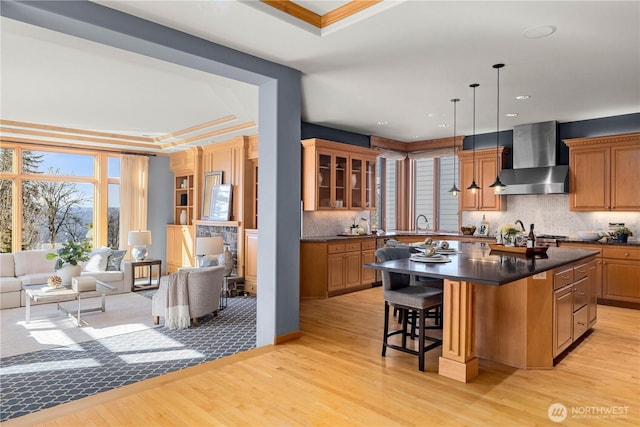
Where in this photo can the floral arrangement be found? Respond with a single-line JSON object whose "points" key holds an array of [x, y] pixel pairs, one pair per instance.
{"points": [[71, 253], [508, 229], [507, 233]]}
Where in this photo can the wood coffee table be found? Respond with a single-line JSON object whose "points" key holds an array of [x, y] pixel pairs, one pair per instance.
{"points": [[36, 294]]}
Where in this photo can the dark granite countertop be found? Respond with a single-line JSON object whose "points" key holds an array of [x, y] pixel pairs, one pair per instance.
{"points": [[604, 242], [320, 239], [392, 234], [477, 263]]}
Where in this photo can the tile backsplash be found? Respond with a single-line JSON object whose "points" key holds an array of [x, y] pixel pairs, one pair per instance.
{"points": [[549, 212], [329, 223], [551, 215]]}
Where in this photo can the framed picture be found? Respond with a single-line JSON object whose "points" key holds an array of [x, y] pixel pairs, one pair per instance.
{"points": [[220, 208], [483, 230], [211, 179]]}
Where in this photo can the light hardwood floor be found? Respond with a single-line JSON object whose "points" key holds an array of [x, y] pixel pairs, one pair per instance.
{"points": [[334, 376]]}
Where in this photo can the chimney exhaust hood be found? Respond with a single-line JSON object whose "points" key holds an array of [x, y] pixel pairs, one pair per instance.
{"points": [[534, 162]]}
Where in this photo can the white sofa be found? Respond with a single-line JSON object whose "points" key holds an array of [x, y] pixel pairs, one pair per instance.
{"points": [[32, 267]]}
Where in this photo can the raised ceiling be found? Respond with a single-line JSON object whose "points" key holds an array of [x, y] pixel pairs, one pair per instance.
{"points": [[388, 69]]}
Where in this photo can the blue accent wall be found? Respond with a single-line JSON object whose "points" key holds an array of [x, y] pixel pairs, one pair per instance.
{"points": [[628, 123], [160, 206], [310, 130]]}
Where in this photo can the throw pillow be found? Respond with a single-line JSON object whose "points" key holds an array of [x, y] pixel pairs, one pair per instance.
{"points": [[114, 260], [98, 260], [209, 261]]}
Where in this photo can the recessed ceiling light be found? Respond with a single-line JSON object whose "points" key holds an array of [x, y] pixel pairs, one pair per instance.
{"points": [[383, 123], [511, 114], [523, 97], [539, 32], [443, 125], [436, 115]]}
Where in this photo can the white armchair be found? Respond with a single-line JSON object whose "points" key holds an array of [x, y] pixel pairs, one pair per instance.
{"points": [[204, 286]]}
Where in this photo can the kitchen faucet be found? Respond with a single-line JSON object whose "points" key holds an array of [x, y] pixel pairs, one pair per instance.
{"points": [[425, 219], [521, 224]]}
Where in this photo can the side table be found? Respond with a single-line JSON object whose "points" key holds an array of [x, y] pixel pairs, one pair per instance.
{"points": [[148, 284]]}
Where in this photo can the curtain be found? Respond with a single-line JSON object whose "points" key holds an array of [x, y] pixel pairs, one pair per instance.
{"points": [[134, 181]]}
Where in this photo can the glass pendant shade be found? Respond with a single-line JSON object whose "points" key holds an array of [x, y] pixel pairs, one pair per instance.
{"points": [[497, 184], [454, 189]]}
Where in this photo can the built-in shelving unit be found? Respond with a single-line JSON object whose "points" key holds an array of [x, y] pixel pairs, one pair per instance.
{"points": [[183, 199]]}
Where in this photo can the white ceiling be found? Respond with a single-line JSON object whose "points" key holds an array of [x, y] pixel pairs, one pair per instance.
{"points": [[399, 62]]}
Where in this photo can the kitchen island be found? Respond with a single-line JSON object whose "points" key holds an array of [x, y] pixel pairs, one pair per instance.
{"points": [[509, 308]]}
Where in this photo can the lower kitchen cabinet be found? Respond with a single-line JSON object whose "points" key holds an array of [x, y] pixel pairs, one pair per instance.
{"points": [[621, 274], [574, 306], [368, 275], [617, 273], [336, 267]]}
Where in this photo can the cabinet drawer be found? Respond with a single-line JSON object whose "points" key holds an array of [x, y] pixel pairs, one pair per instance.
{"points": [[580, 272], [562, 278], [335, 248], [369, 244], [624, 252], [580, 294], [580, 323], [352, 246]]}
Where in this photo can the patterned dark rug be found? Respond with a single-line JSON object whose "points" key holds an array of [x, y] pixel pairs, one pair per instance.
{"points": [[39, 380]]}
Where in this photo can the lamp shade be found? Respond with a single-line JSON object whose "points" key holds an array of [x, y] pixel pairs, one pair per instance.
{"points": [[209, 245], [139, 238]]}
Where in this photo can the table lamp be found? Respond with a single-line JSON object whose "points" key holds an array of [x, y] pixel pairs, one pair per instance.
{"points": [[208, 246], [139, 240]]}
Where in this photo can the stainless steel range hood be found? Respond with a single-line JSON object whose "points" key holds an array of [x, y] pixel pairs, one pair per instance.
{"points": [[534, 162]]}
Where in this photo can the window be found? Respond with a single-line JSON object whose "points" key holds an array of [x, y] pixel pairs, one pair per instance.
{"points": [[52, 195], [434, 178], [389, 208], [6, 215]]}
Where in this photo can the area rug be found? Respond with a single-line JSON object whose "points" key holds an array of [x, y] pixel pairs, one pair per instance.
{"points": [[41, 379], [51, 328]]}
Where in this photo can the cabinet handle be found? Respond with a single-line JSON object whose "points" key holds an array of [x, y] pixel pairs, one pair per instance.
{"points": [[581, 271], [581, 323], [581, 293], [565, 277], [626, 254]]}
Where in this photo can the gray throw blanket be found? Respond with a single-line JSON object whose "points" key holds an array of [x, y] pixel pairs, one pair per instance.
{"points": [[178, 301]]}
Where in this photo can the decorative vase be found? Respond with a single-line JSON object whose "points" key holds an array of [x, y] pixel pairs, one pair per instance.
{"points": [[68, 271], [226, 259], [354, 180], [183, 217], [509, 239], [320, 179], [622, 238]]}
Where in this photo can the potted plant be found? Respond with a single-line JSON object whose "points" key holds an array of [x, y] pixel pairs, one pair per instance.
{"points": [[68, 258], [623, 233]]}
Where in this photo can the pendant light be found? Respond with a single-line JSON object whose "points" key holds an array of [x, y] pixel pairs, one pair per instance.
{"points": [[497, 184], [473, 187], [454, 190]]}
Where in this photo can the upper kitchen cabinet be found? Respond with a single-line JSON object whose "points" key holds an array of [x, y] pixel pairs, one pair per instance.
{"points": [[485, 173], [337, 176], [604, 173]]}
